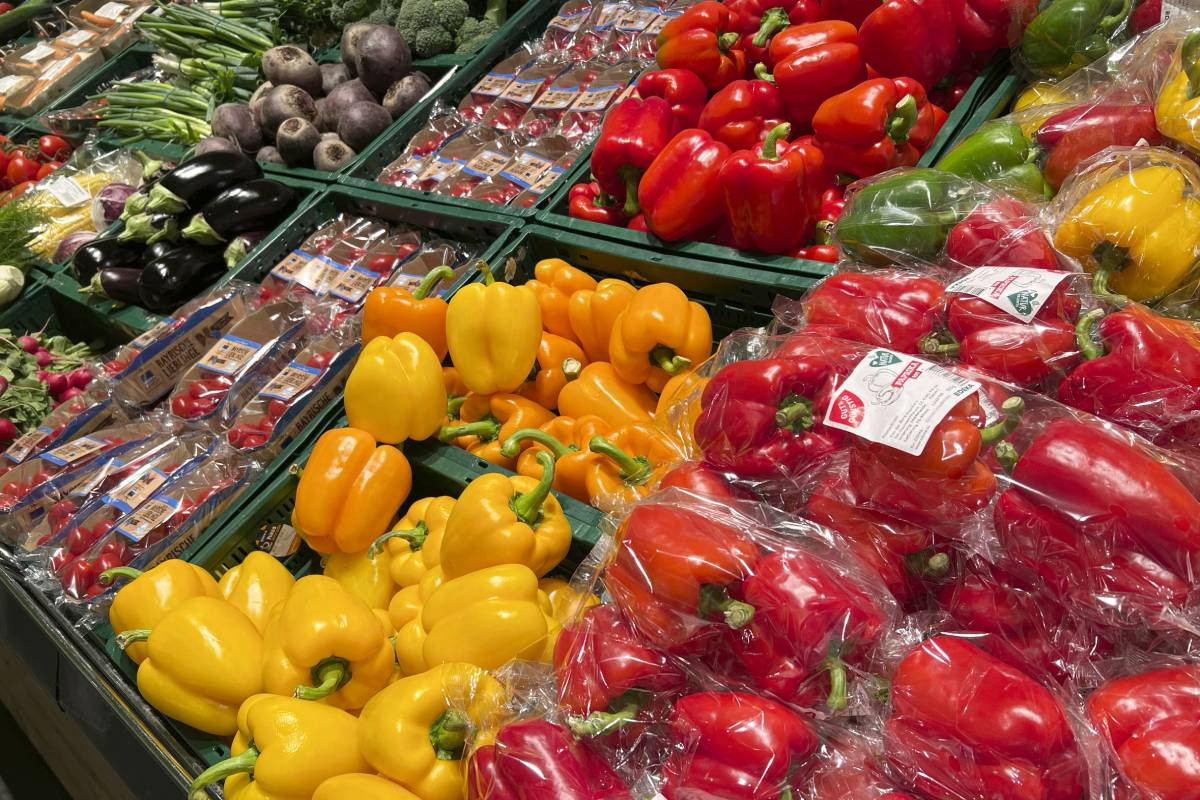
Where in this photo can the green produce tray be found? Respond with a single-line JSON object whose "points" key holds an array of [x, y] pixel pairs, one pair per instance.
{"points": [[392, 142], [40, 308], [129, 320], [996, 104]]}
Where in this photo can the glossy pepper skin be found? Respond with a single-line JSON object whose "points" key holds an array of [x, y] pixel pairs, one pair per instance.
{"points": [[150, 595], [358, 786], [659, 334], [599, 390], [493, 330], [559, 361], [812, 62], [284, 748], [735, 745], [987, 25], [587, 201], [1140, 230], [324, 643], [703, 40], [390, 310], [369, 579], [592, 313], [554, 282], [1126, 706], [1003, 231], [1018, 352], [887, 308], [878, 125], [349, 491], [633, 134], [1177, 109], [1069, 34], [757, 183], [486, 421], [203, 659], [414, 731], [1076, 134], [741, 114], [683, 90], [567, 440], [999, 153], [888, 34], [256, 586], [395, 391], [629, 464], [678, 194]]}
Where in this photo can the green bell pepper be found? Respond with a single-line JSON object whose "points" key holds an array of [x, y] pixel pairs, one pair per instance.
{"points": [[1069, 34], [997, 153], [903, 216]]}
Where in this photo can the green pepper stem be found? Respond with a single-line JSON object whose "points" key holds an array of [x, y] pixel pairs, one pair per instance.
{"points": [[715, 599], [1012, 409], [448, 735], [775, 20], [432, 279], [1006, 456], [795, 413], [329, 676], [631, 176], [933, 346], [485, 429], [1109, 24], [727, 40], [571, 368], [528, 506], [837, 699], [1100, 287], [110, 575], [453, 404], [902, 119], [126, 638], [927, 564], [242, 762], [486, 269], [762, 73], [599, 723], [414, 536], [1089, 348], [1189, 61], [512, 445], [634, 470], [666, 359], [770, 147]]}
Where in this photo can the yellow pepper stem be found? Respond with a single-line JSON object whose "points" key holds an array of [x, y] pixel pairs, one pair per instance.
{"points": [[668, 361], [110, 575], [1012, 408], [453, 404], [599, 723], [486, 429], [242, 762], [415, 538], [528, 506], [1088, 347], [715, 600], [126, 638], [634, 470], [512, 445], [431, 280], [329, 676], [448, 735]]}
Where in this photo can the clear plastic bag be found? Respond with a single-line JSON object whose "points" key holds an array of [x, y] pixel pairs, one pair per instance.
{"points": [[444, 124], [526, 170]]}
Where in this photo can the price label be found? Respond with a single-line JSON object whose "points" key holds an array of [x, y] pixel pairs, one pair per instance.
{"points": [[39, 52], [52, 73], [353, 284], [526, 169], [77, 38], [438, 169], [148, 338], [609, 14], [487, 163], [547, 180], [1018, 291], [291, 381], [20, 449], [74, 451], [523, 90], [10, 82], [111, 10], [278, 539], [68, 192], [555, 98], [638, 19], [493, 84], [137, 491], [136, 525], [569, 22], [229, 355], [596, 98]]}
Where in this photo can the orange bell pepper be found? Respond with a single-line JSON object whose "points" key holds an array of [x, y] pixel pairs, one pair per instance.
{"points": [[660, 334], [563, 276], [349, 491], [593, 312], [553, 303], [390, 310], [565, 438], [487, 421], [633, 459], [598, 390], [683, 392], [559, 360]]}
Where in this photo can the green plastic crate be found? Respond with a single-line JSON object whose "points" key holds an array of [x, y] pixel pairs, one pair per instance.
{"points": [[996, 104], [39, 308]]}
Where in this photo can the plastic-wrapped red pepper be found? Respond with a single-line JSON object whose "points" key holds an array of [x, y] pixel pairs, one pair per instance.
{"points": [[587, 201], [887, 308], [811, 63], [1004, 232], [965, 724], [699, 478], [880, 124], [673, 570], [741, 114], [910, 38], [986, 25], [1069, 137], [850, 769], [633, 134], [679, 193], [537, 760], [1143, 373], [735, 746], [681, 88], [703, 39], [1024, 353]]}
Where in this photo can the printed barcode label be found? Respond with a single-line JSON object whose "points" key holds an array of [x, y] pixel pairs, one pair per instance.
{"points": [[20, 449], [136, 525], [487, 163], [1019, 291], [353, 284], [657, 24], [74, 451], [291, 381], [638, 19], [317, 274], [77, 37], [596, 98], [10, 82], [523, 91], [111, 10], [68, 193], [229, 355], [278, 539], [39, 52], [136, 493], [547, 180], [438, 169], [553, 99], [53, 72], [526, 169], [149, 337], [493, 84]]}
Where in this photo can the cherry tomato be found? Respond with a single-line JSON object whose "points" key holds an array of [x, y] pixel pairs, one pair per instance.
{"points": [[46, 169], [41, 477], [115, 365], [183, 405], [6, 7], [384, 264], [321, 360], [101, 528], [77, 578], [79, 539], [21, 169], [53, 148], [276, 409], [61, 557], [61, 512], [103, 563], [5, 157], [14, 489]]}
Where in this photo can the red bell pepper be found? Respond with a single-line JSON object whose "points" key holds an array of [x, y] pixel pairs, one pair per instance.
{"points": [[762, 19], [587, 201], [887, 308], [827, 253], [741, 114], [638, 223], [987, 25], [1144, 373], [681, 88], [1003, 232], [698, 478], [634, 133], [850, 769], [878, 125], [762, 418], [1069, 137], [704, 40], [672, 574], [833, 203], [679, 192], [1163, 761], [852, 11], [735, 746], [535, 759], [910, 38], [1024, 353], [811, 63]]}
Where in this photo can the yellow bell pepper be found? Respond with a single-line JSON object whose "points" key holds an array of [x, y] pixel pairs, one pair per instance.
{"points": [[284, 749], [324, 635], [204, 659], [493, 330], [1138, 232], [1178, 108], [369, 579], [414, 546], [357, 786], [395, 391], [1040, 93], [679, 407], [414, 731], [506, 519], [661, 333], [149, 597], [486, 618], [256, 586], [406, 603], [566, 602]]}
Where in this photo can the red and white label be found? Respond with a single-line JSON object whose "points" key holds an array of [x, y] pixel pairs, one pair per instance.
{"points": [[1019, 291]]}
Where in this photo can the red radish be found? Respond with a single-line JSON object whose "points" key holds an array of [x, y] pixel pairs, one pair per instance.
{"points": [[44, 358], [80, 378], [69, 394], [57, 384], [8, 431], [42, 375], [29, 344], [3, 384]]}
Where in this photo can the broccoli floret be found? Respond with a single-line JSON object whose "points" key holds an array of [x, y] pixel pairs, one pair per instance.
{"points": [[474, 34], [346, 11], [429, 25]]}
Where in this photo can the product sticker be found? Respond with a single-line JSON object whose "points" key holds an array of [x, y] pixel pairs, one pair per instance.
{"points": [[609, 14], [111, 10], [77, 38], [523, 90], [138, 524], [20, 449], [658, 23], [68, 193], [137, 492], [526, 168], [597, 98], [39, 52], [896, 400], [438, 169], [638, 19], [1018, 291], [353, 284], [555, 98], [74, 451], [279, 539], [547, 180], [486, 163], [315, 273], [291, 381], [10, 82], [493, 84], [51, 73], [412, 166], [570, 21], [149, 337], [229, 355]]}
